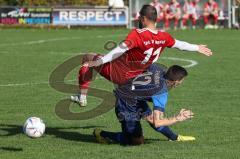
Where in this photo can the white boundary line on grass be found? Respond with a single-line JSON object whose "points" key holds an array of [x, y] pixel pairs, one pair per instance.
{"points": [[29, 83], [59, 39], [192, 64]]}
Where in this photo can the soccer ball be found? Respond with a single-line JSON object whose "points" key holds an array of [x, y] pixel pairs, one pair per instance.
{"points": [[34, 127]]}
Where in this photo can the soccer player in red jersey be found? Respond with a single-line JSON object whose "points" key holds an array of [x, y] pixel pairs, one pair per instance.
{"points": [[172, 12], [210, 11], [190, 13], [159, 7], [141, 48]]}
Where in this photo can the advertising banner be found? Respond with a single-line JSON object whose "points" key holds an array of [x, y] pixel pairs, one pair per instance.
{"points": [[21, 15], [90, 16]]}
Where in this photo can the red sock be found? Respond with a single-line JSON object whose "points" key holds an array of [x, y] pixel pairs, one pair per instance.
{"points": [[215, 19], [167, 23], [205, 19], [84, 77], [194, 21], [184, 21], [176, 22]]}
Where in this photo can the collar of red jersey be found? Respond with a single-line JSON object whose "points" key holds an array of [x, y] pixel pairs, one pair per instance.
{"points": [[153, 31]]}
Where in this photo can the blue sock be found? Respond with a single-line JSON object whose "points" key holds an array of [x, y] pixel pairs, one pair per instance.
{"points": [[114, 136], [166, 131]]}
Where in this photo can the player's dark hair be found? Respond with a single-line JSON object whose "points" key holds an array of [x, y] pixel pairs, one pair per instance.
{"points": [[149, 12], [175, 73]]}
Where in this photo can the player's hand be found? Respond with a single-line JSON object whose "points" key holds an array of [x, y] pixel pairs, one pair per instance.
{"points": [[92, 63], [184, 115], [203, 49]]}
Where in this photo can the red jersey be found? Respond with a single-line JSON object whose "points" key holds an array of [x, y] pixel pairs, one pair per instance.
{"points": [[145, 47], [172, 7], [190, 8], [211, 7]]}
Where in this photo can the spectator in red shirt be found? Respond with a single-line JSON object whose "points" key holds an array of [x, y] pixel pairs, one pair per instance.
{"points": [[210, 12], [190, 13], [172, 12], [159, 7]]}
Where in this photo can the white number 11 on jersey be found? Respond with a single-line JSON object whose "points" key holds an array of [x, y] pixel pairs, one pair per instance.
{"points": [[149, 53]]}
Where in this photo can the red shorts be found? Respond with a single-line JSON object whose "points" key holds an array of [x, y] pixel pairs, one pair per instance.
{"points": [[171, 15], [191, 16], [116, 71]]}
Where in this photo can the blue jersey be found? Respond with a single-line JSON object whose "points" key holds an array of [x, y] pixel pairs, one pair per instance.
{"points": [[149, 86]]}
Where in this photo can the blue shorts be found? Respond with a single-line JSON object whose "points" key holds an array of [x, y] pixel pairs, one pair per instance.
{"points": [[130, 116]]}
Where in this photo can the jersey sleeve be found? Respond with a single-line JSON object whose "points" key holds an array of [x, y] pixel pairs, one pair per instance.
{"points": [[160, 101], [205, 6], [178, 5], [132, 39], [215, 6], [185, 7], [167, 9], [161, 7], [170, 41]]}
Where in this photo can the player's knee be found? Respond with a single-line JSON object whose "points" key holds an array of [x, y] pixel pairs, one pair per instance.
{"points": [[88, 57], [206, 15]]}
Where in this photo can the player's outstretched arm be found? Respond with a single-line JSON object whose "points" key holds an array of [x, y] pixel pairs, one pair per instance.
{"points": [[182, 45], [203, 49], [165, 130], [112, 55], [158, 120]]}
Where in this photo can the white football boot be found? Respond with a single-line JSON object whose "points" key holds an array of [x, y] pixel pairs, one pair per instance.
{"points": [[80, 99]]}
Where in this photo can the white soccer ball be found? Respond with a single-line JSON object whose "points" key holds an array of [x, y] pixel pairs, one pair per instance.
{"points": [[34, 127]]}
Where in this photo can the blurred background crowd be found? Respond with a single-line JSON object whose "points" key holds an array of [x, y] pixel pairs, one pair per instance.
{"points": [[176, 14]]}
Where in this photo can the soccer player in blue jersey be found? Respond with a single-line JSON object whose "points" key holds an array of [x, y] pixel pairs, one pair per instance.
{"points": [[131, 106]]}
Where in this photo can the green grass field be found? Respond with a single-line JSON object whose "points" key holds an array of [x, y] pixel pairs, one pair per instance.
{"points": [[27, 58]]}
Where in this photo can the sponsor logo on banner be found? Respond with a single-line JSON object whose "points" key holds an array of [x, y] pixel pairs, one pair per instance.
{"points": [[12, 15], [92, 16]]}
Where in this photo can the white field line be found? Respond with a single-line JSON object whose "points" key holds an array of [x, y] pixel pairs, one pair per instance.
{"points": [[59, 39], [29, 83], [192, 63]]}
